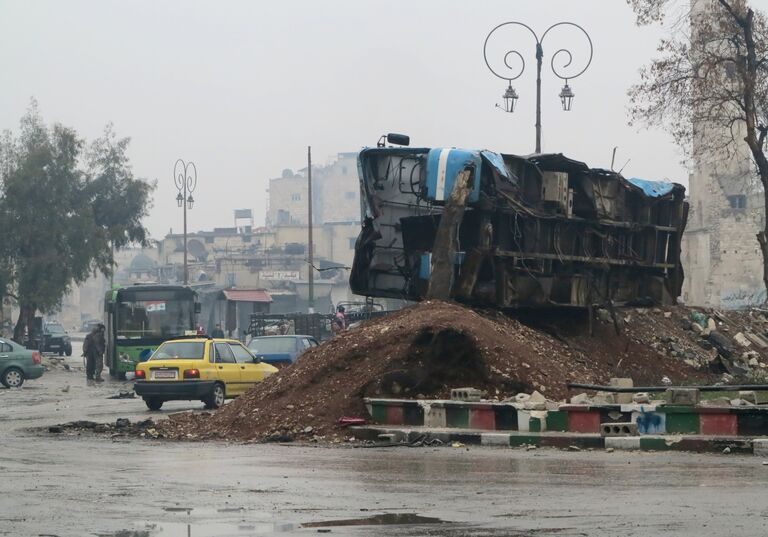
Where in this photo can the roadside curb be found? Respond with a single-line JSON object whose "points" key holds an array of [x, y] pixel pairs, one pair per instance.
{"points": [[697, 443]]}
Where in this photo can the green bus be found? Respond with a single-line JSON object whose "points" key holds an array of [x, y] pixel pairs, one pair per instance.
{"points": [[138, 318]]}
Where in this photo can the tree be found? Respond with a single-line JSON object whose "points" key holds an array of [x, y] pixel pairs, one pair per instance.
{"points": [[60, 221], [709, 87]]}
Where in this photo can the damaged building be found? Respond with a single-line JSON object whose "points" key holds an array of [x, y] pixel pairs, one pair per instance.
{"points": [[540, 230]]}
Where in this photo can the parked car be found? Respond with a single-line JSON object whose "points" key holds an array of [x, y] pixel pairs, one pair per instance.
{"points": [[281, 350], [18, 364], [208, 369], [56, 339]]}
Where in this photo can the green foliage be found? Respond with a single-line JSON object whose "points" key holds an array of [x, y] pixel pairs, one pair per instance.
{"points": [[59, 219]]}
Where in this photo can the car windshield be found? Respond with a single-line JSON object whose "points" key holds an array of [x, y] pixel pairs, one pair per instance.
{"points": [[179, 350], [269, 345], [55, 328]]}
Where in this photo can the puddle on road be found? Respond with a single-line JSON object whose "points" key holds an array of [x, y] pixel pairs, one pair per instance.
{"points": [[214, 529], [386, 519]]}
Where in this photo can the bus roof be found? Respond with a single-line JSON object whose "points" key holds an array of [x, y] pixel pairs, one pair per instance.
{"points": [[128, 289]]}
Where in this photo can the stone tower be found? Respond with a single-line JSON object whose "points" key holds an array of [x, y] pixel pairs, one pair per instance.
{"points": [[720, 254]]}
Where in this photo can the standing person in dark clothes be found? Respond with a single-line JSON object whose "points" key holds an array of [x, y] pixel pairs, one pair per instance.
{"points": [[93, 350]]}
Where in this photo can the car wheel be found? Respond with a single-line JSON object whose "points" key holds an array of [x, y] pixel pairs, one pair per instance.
{"points": [[216, 398], [153, 403], [68, 351], [61, 353], [13, 377]]}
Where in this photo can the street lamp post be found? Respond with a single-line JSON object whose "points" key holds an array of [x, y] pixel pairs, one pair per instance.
{"points": [[510, 95], [185, 177]]}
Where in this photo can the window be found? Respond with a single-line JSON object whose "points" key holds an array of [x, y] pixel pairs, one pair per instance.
{"points": [[295, 197], [242, 356], [738, 201], [5, 347], [349, 195], [182, 350], [224, 354]]}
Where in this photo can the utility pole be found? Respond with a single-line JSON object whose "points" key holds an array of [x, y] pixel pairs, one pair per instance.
{"points": [[310, 248]]}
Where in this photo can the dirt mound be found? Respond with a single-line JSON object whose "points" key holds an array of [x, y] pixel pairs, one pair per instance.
{"points": [[424, 351]]}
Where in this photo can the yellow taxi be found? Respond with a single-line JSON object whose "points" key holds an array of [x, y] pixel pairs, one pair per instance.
{"points": [[207, 369]]}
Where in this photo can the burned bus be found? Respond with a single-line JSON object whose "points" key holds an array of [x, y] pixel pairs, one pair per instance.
{"points": [[535, 231]]}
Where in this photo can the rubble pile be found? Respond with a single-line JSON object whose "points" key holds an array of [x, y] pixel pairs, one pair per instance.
{"points": [[733, 345], [419, 352]]}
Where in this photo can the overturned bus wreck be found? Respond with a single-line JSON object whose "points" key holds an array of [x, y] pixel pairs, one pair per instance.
{"points": [[518, 231]]}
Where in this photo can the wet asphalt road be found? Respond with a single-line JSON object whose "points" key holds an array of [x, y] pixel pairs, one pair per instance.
{"points": [[81, 486]]}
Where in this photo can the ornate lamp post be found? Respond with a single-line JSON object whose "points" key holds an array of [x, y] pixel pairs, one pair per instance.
{"points": [[185, 177], [510, 95]]}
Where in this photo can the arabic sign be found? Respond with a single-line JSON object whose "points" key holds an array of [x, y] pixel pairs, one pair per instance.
{"points": [[283, 275]]}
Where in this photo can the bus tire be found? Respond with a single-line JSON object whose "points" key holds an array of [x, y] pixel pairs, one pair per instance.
{"points": [[216, 397], [153, 403]]}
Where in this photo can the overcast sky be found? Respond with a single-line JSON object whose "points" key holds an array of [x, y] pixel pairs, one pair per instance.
{"points": [[241, 87]]}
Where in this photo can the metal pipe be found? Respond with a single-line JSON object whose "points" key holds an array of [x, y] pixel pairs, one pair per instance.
{"points": [[636, 389]]}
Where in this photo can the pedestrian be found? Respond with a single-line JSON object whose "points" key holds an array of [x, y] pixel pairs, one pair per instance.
{"points": [[339, 323], [217, 332], [93, 351]]}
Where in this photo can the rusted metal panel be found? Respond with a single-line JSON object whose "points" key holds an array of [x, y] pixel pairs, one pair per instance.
{"points": [[541, 230]]}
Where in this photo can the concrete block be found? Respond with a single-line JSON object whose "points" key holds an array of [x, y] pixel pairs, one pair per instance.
{"points": [[505, 417], [535, 405], [618, 429], [748, 396], [742, 340], [434, 416], [641, 397], [682, 396], [456, 416], [683, 423], [494, 439], [580, 399], [757, 339], [466, 394], [522, 397], [618, 382], [719, 424], [650, 422], [394, 415], [584, 422], [537, 397], [523, 420], [623, 442], [482, 418], [760, 447]]}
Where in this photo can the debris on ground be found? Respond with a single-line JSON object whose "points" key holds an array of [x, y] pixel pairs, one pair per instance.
{"points": [[121, 427], [424, 351]]}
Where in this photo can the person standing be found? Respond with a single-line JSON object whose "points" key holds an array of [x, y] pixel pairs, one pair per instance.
{"points": [[217, 332], [101, 347], [339, 323], [93, 351]]}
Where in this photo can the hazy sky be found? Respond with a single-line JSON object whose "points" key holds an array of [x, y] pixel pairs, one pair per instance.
{"points": [[242, 87]]}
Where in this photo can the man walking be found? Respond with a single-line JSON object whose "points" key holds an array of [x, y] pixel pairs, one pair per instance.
{"points": [[93, 350]]}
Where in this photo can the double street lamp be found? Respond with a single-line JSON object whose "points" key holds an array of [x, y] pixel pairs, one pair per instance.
{"points": [[513, 72], [185, 178]]}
